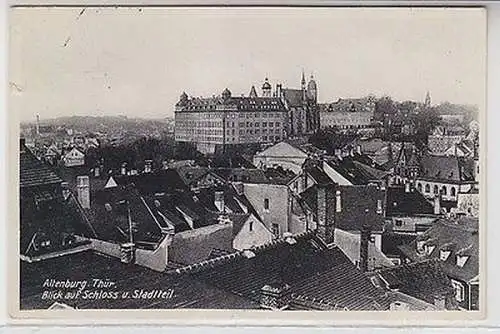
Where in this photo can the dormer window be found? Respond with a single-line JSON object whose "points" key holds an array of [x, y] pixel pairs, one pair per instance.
{"points": [[420, 245], [461, 260], [444, 254], [429, 249]]}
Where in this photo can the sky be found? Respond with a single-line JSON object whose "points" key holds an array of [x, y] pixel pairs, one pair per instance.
{"points": [[137, 61]]}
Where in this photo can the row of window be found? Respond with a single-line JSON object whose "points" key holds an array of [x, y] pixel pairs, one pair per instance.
{"points": [[263, 138], [257, 131], [256, 124], [444, 189]]}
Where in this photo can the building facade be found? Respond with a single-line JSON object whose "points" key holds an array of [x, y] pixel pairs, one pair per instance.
{"points": [[229, 120], [348, 114]]}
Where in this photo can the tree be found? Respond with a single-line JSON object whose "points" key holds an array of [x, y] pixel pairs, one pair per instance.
{"points": [[425, 122]]}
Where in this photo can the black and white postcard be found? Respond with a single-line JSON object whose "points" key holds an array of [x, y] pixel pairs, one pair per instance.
{"points": [[221, 163]]}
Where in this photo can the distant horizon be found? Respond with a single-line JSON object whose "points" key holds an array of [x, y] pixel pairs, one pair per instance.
{"points": [[67, 61]]}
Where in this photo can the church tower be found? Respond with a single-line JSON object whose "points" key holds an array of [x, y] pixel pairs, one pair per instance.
{"points": [[266, 88], [427, 102], [303, 87], [312, 90]]}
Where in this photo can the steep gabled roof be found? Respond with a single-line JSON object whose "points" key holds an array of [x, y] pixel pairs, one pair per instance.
{"points": [[445, 168], [306, 266], [400, 202], [283, 149], [457, 235], [294, 97], [423, 280], [33, 172], [188, 293]]}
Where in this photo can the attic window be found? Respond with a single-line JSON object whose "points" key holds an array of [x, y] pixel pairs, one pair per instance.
{"points": [[461, 260], [108, 207], [444, 254]]}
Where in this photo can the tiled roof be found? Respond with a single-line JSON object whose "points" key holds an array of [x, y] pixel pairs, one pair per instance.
{"points": [[33, 172], [400, 202], [445, 168], [190, 174], [65, 218], [246, 175], [150, 183], [188, 293], [423, 280], [294, 97], [458, 235], [352, 170], [110, 215], [306, 266], [271, 104], [319, 175]]}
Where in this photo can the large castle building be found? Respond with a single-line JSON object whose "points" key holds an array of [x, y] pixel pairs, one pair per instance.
{"points": [[230, 120]]}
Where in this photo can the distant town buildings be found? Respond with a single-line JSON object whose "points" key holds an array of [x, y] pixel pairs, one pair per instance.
{"points": [[230, 120]]}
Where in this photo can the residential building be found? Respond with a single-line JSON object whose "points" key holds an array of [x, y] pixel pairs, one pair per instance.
{"points": [[454, 243], [50, 216], [445, 176], [444, 137], [348, 114], [74, 158], [283, 154]]}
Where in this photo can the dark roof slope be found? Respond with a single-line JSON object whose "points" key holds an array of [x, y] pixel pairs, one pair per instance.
{"points": [[306, 266], [423, 280], [447, 168], [150, 183], [188, 293], [294, 97], [33, 172], [460, 237], [400, 202]]}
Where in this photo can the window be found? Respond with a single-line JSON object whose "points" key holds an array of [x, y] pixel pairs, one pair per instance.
{"points": [[399, 223], [275, 230], [459, 290], [264, 124], [453, 191], [266, 204], [427, 188], [277, 124], [257, 124], [250, 226], [429, 249], [419, 187], [444, 254], [379, 206], [444, 190], [271, 124], [461, 260], [436, 189]]}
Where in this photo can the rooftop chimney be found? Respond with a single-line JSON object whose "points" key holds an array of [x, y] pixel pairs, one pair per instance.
{"points": [[127, 251], [407, 187], [83, 191], [338, 201], [325, 215], [358, 149], [97, 171], [66, 192], [124, 168], [437, 203], [219, 200], [275, 297], [148, 166], [363, 246]]}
